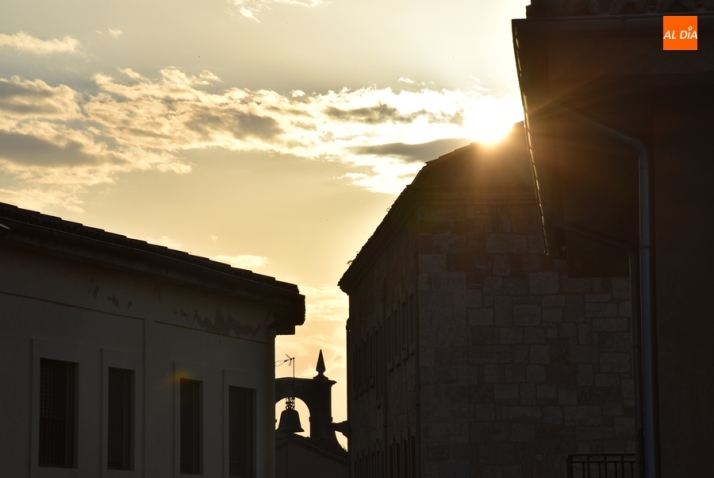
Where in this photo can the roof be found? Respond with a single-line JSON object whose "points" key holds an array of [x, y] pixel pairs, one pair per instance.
{"points": [[53, 235], [557, 8], [473, 174]]}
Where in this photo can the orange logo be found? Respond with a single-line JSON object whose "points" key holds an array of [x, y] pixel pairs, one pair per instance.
{"points": [[679, 33]]}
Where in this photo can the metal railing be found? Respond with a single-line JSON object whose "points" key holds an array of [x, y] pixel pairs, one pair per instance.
{"points": [[602, 466]]}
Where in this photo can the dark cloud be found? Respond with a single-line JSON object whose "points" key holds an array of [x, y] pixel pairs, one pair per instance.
{"points": [[32, 151], [372, 114], [239, 124], [414, 152], [28, 98]]}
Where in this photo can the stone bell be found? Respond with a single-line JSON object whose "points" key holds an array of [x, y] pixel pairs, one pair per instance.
{"points": [[290, 418]]}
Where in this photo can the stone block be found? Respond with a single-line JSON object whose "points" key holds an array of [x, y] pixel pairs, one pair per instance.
{"points": [[610, 324], [584, 334], [515, 373], [624, 426], [479, 316], [574, 286], [481, 394], [552, 315], [625, 309], [587, 415], [585, 375], [536, 244], [547, 393], [615, 363], [506, 392], [482, 354], [521, 432], [612, 407], [597, 298], [506, 244], [584, 354], [535, 373], [607, 380], [552, 415], [492, 373], [616, 342], [593, 433], [567, 395], [515, 286], [521, 353], [531, 262], [484, 413], [628, 390], [432, 262], [526, 315], [567, 329], [543, 283], [551, 333], [599, 309], [484, 335], [510, 335], [528, 394], [503, 310], [574, 308], [492, 285], [553, 301], [496, 453], [468, 298], [522, 414], [539, 354], [501, 265], [621, 288], [534, 335]]}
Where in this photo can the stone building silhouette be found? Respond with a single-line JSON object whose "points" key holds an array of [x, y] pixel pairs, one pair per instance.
{"points": [[470, 352], [320, 455]]}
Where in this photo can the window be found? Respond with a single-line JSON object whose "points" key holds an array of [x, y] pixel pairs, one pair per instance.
{"points": [[58, 413], [191, 398], [241, 436], [120, 419]]}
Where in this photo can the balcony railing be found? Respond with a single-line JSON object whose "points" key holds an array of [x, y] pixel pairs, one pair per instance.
{"points": [[602, 466]]}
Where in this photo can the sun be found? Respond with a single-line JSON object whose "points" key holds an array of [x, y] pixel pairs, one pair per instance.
{"points": [[494, 119]]}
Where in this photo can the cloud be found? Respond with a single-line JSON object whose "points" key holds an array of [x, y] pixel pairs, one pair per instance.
{"points": [[25, 42], [249, 9], [245, 261], [24, 98], [414, 152], [114, 33], [405, 79], [68, 140]]}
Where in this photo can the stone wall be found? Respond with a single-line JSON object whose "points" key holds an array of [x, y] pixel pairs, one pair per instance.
{"points": [[520, 365]]}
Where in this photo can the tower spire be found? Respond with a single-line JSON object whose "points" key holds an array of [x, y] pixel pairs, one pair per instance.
{"points": [[320, 367]]}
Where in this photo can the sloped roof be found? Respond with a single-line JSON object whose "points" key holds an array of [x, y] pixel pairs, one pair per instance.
{"points": [[53, 235], [489, 173]]}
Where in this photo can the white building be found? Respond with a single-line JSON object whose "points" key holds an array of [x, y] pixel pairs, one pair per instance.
{"points": [[125, 359]]}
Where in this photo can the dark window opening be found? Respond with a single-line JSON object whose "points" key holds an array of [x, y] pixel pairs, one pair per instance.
{"points": [[241, 433], [58, 413], [191, 411], [120, 419]]}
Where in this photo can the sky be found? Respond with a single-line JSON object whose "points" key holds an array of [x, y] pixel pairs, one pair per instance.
{"points": [[271, 135]]}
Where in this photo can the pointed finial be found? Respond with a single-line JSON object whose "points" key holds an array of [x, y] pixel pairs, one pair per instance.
{"points": [[320, 367]]}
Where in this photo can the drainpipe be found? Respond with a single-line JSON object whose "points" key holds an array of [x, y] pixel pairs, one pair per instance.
{"points": [[632, 254], [649, 330]]}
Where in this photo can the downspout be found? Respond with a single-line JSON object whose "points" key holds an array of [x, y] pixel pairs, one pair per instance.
{"points": [[636, 317], [649, 330]]}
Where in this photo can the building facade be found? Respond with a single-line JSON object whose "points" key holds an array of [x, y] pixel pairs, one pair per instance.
{"points": [[125, 359], [471, 353]]}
